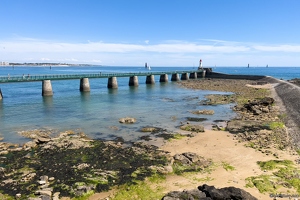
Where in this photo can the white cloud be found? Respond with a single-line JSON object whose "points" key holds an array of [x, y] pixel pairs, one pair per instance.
{"points": [[169, 52], [54, 47], [278, 48]]}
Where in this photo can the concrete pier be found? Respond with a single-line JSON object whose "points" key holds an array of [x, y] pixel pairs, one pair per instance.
{"points": [[175, 77], [163, 78], [47, 88], [193, 75], [112, 78], [133, 81], [150, 79], [112, 82], [84, 85], [184, 76]]}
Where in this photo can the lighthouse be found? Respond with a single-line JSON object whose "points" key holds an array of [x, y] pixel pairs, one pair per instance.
{"points": [[200, 64]]}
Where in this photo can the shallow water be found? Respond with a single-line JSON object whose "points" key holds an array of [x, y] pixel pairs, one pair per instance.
{"points": [[97, 113]]}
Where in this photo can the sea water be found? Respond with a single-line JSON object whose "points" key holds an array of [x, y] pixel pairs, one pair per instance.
{"points": [[97, 113]]}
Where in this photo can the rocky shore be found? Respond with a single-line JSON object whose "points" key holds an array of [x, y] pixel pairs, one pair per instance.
{"points": [[72, 165]]}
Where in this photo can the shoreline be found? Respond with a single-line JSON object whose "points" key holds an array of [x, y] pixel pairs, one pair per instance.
{"points": [[220, 146]]}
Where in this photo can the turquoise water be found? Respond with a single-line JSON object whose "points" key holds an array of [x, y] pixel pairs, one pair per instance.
{"points": [[97, 113]]}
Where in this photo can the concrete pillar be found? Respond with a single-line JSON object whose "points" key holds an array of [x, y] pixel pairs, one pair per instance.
{"points": [[47, 88], [1, 97], [84, 85], [184, 76], [163, 78], [175, 77], [112, 82], [150, 79], [193, 75], [203, 73], [133, 81], [199, 74]]}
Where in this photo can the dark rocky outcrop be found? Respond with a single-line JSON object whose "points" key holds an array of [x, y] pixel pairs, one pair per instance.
{"points": [[206, 192], [230, 193], [189, 162], [192, 127], [256, 107], [72, 164]]}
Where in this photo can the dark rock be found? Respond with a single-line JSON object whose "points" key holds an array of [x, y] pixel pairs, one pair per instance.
{"points": [[230, 193], [182, 159], [206, 192], [127, 120], [41, 140], [45, 197], [241, 126], [186, 194], [196, 119], [192, 127]]}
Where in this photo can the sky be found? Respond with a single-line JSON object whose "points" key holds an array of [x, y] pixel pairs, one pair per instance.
{"points": [[159, 32]]}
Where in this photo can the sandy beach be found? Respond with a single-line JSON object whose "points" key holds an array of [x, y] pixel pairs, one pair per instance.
{"points": [[221, 146]]}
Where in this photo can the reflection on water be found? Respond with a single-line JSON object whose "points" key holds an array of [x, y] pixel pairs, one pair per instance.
{"points": [[112, 91], [85, 96], [48, 101]]}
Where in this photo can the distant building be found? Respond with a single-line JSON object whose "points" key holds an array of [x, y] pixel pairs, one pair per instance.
{"points": [[4, 63]]}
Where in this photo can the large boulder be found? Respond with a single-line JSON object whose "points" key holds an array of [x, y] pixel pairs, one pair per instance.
{"points": [[186, 194], [206, 192], [230, 193]]}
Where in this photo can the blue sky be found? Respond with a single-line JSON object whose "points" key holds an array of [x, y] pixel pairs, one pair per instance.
{"points": [[160, 32]]}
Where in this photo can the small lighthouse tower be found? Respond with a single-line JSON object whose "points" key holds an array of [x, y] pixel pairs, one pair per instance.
{"points": [[200, 64]]}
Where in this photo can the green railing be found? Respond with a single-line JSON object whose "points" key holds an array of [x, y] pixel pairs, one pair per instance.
{"points": [[30, 78]]}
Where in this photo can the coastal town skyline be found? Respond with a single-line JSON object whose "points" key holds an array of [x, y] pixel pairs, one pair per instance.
{"points": [[162, 33]]}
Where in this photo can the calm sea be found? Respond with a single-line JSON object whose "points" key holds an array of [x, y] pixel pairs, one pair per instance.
{"points": [[97, 113]]}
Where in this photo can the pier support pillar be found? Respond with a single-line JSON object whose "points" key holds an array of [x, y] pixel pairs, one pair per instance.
{"points": [[184, 76], [203, 73], [84, 85], [112, 82], [193, 75], [133, 81], [47, 88], [163, 78], [1, 96], [175, 77], [150, 79]]}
